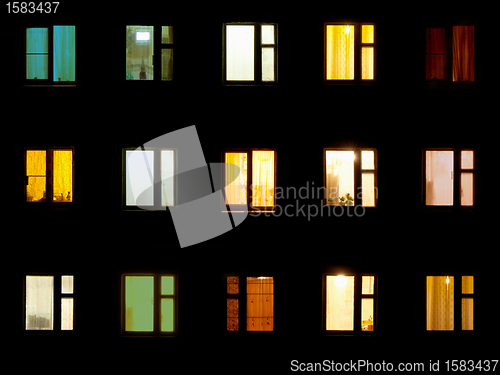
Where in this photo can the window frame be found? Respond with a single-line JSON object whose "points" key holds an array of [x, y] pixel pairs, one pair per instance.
{"points": [[457, 169], [357, 306], [49, 81], [249, 205], [156, 172], [358, 46], [49, 174], [258, 46], [358, 174], [56, 306], [157, 297]]}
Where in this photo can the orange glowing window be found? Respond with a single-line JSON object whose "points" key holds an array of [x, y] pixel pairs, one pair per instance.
{"points": [[49, 175]]}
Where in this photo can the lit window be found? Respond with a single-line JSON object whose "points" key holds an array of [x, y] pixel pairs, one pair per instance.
{"points": [[45, 295], [141, 52], [149, 304], [49, 176], [344, 50], [43, 66], [440, 306], [250, 178], [143, 168], [443, 185], [350, 303], [259, 301], [250, 53], [351, 177]]}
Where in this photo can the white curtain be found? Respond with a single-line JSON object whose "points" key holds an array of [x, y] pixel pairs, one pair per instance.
{"points": [[439, 178]]}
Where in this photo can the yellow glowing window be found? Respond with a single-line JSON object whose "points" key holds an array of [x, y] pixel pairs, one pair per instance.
{"points": [[467, 303], [342, 52], [54, 165], [149, 304]]}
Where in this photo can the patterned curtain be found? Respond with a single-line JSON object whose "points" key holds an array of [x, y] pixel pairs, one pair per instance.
{"points": [[440, 303], [260, 304]]}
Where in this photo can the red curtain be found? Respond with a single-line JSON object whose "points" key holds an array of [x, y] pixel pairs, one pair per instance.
{"points": [[463, 53], [435, 50]]}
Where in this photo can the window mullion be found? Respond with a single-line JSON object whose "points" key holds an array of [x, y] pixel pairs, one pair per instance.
{"points": [[258, 53]]}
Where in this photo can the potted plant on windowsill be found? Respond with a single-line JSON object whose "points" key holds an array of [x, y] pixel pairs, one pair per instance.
{"points": [[347, 200]]}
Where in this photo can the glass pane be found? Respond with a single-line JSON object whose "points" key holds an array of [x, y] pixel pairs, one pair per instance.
{"points": [[167, 34], [167, 64], [232, 314], [368, 189], [368, 284], [463, 53], [167, 177], [439, 178], [367, 34], [440, 303], [267, 34], [67, 305], [39, 302], [339, 177], [236, 178], [240, 52], [468, 284], [37, 53], [139, 303], [167, 285], [340, 303], [139, 52], [467, 159], [467, 314], [233, 284], [167, 314], [268, 64], [67, 283], [467, 189], [435, 48], [339, 52], [64, 53], [263, 178], [63, 176], [260, 303], [139, 177], [367, 71], [36, 169], [367, 314], [367, 160]]}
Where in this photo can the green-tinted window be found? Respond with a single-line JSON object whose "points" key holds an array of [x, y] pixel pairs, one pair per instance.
{"points": [[139, 303]]}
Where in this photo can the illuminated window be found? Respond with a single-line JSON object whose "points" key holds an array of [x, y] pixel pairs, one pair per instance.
{"points": [[148, 178], [449, 177], [49, 175], [149, 304], [250, 178], [350, 303], [441, 293], [351, 177], [250, 53], [50, 55], [350, 52], [250, 303], [445, 61], [49, 303], [141, 51]]}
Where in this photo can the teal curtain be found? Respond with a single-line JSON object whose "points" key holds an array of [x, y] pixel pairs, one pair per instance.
{"points": [[64, 53], [37, 53]]}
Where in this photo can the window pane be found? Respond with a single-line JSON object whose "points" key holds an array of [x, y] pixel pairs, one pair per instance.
{"points": [[435, 58], [368, 283], [440, 306], [167, 285], [263, 178], [339, 175], [67, 313], [139, 52], [167, 177], [63, 176], [233, 285], [340, 303], [236, 178], [368, 189], [463, 53], [64, 53], [240, 52], [467, 189], [67, 283], [367, 33], [139, 177], [340, 52], [267, 34], [167, 314], [467, 159], [439, 178], [260, 303], [367, 314], [467, 314], [37, 53], [39, 302], [167, 34], [367, 160], [167, 64], [139, 303], [232, 314], [367, 59], [268, 64], [467, 284], [36, 168]]}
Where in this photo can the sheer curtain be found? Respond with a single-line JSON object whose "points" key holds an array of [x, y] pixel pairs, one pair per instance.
{"points": [[463, 53], [236, 172], [263, 178], [63, 175], [39, 302], [240, 50], [440, 313], [339, 303], [36, 169], [339, 175], [64, 53], [340, 52], [260, 303], [439, 178]]}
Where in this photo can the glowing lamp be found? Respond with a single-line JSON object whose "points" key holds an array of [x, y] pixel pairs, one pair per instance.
{"points": [[142, 36], [340, 280]]}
